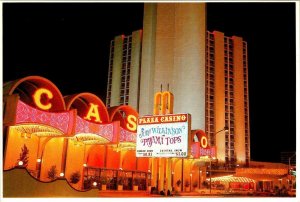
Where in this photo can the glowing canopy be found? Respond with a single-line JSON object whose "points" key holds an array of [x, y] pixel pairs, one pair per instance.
{"points": [[230, 178]]}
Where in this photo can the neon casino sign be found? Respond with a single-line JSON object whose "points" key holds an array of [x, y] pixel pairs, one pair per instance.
{"points": [[93, 120]]}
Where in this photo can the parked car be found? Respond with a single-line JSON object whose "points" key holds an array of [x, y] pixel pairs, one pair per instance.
{"points": [[292, 192]]}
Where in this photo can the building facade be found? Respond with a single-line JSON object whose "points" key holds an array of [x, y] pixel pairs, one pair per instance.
{"points": [[124, 70], [77, 139], [206, 71], [227, 97], [159, 62]]}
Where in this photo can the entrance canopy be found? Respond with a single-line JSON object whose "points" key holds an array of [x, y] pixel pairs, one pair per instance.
{"points": [[231, 178]]}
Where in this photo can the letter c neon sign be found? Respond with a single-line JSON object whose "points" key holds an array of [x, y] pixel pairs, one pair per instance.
{"points": [[37, 98]]}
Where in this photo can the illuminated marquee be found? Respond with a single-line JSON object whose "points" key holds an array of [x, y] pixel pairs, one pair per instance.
{"points": [[27, 115], [93, 121], [163, 136], [103, 130]]}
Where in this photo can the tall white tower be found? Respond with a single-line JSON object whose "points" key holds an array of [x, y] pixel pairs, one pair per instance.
{"points": [[173, 52]]}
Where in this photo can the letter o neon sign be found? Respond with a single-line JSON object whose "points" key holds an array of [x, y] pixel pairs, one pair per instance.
{"points": [[203, 142]]}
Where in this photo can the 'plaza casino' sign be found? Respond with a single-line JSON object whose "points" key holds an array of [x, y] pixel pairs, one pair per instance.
{"points": [[163, 136]]}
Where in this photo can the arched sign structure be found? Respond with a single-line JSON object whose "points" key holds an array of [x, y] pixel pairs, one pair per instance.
{"points": [[35, 106], [128, 117], [92, 123]]}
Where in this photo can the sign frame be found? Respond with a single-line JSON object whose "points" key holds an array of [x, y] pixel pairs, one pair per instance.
{"points": [[154, 135]]}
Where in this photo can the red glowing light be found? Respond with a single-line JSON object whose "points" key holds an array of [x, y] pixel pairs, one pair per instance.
{"points": [[195, 149], [129, 121], [208, 151], [202, 137], [126, 136]]}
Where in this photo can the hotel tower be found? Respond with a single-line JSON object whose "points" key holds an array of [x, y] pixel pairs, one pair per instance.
{"points": [[206, 72]]}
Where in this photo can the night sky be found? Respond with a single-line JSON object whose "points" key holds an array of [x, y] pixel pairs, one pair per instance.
{"points": [[68, 43]]}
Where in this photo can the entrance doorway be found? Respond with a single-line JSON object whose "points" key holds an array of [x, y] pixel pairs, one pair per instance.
{"points": [[96, 177]]}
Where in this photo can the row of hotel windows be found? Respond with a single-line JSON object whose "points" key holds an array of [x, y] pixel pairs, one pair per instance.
{"points": [[229, 90], [209, 128], [229, 115], [111, 56], [126, 64], [228, 46], [246, 111]]}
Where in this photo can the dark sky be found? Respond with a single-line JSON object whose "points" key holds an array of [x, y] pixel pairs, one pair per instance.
{"points": [[68, 43]]}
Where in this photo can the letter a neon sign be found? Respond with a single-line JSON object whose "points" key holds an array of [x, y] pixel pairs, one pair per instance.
{"points": [[93, 112]]}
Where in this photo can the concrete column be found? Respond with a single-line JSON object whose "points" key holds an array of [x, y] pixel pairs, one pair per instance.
{"points": [[164, 46], [154, 172], [174, 53], [169, 174], [161, 174], [189, 61], [64, 156]]}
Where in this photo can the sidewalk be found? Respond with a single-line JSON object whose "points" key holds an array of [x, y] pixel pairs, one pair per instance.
{"points": [[124, 194]]}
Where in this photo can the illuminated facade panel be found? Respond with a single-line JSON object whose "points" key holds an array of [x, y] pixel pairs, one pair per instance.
{"points": [[102, 130], [27, 115]]}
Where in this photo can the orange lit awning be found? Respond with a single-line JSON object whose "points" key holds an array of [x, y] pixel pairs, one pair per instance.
{"points": [[231, 178]]}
